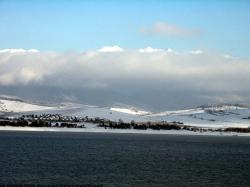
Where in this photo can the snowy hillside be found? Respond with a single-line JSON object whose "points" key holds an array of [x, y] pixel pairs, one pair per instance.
{"points": [[219, 116], [20, 106]]}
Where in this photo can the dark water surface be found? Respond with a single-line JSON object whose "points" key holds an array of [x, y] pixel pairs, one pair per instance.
{"points": [[123, 159]]}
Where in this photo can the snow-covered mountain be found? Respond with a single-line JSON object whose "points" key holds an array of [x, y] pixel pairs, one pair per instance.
{"points": [[217, 116]]}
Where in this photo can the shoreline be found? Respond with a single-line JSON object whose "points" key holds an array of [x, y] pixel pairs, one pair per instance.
{"points": [[121, 131]]}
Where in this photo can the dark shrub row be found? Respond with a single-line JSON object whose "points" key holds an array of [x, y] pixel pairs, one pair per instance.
{"points": [[69, 125], [36, 123], [19, 123], [242, 130], [141, 125]]}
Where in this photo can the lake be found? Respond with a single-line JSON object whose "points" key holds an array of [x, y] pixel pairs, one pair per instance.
{"points": [[111, 159]]}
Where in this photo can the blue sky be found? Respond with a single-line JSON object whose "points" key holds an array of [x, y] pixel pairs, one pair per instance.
{"points": [[223, 26]]}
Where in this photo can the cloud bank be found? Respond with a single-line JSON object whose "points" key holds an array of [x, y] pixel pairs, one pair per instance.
{"points": [[150, 78]]}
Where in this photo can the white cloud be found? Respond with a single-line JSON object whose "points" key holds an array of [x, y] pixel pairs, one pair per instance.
{"points": [[167, 29], [160, 77], [18, 50], [99, 66], [149, 50], [114, 48], [152, 50], [170, 50], [197, 52], [228, 56], [33, 50]]}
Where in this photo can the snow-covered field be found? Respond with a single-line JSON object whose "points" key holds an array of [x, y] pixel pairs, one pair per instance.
{"points": [[129, 131], [222, 116], [19, 106]]}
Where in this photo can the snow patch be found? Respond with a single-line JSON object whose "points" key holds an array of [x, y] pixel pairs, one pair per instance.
{"points": [[179, 112], [130, 111], [127, 131]]}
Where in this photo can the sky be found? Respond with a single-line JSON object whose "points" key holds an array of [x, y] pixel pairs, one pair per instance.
{"points": [[74, 25], [155, 55]]}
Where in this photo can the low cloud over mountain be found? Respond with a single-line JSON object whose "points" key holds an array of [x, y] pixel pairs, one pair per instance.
{"points": [[153, 78]]}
